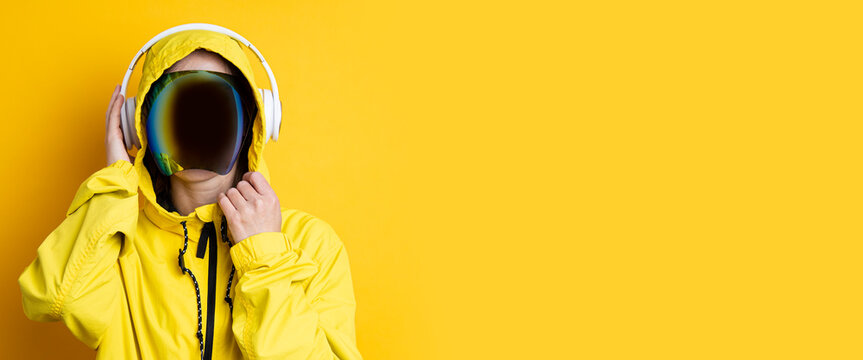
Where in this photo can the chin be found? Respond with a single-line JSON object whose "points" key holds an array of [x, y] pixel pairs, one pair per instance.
{"points": [[196, 174]]}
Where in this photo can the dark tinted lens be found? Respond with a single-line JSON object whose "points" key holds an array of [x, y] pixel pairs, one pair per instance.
{"points": [[205, 125], [195, 120]]}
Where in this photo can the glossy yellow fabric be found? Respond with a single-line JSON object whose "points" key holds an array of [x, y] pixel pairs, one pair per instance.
{"points": [[110, 270]]}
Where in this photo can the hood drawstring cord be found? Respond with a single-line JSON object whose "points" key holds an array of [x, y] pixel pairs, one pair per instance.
{"points": [[230, 277], [183, 267]]}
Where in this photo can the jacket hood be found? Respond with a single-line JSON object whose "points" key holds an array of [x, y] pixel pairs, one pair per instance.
{"points": [[159, 58]]}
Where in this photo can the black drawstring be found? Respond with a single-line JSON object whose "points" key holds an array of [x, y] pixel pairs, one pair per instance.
{"points": [[183, 267], [230, 277]]}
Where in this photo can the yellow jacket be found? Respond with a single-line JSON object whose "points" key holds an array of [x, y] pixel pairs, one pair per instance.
{"points": [[111, 271]]}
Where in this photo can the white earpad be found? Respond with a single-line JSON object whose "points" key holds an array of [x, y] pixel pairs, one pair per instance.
{"points": [[277, 124], [127, 123], [269, 115]]}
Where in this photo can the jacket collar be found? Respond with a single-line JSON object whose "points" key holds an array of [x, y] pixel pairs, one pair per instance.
{"points": [[170, 221]]}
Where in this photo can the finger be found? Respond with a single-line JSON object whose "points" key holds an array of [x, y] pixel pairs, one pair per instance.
{"points": [[111, 102], [247, 190], [236, 199], [226, 206], [261, 185], [114, 119]]}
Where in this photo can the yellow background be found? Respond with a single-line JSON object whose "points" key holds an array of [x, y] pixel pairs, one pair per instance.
{"points": [[668, 180]]}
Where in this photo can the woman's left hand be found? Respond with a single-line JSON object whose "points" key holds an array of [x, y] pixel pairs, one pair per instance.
{"points": [[251, 208]]}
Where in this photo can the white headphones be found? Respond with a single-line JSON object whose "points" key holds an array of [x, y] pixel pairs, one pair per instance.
{"points": [[272, 104]]}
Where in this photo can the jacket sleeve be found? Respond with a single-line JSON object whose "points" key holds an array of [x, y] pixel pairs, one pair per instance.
{"points": [[75, 276], [276, 316]]}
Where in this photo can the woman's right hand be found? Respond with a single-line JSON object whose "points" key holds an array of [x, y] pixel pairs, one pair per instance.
{"points": [[114, 145]]}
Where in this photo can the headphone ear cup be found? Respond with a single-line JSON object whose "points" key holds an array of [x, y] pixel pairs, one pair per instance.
{"points": [[130, 135], [277, 123], [269, 113]]}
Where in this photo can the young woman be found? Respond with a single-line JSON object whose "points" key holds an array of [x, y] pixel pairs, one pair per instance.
{"points": [[184, 252]]}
